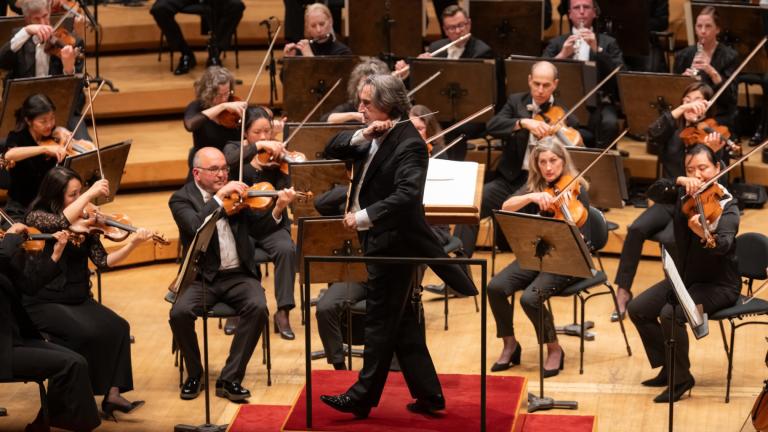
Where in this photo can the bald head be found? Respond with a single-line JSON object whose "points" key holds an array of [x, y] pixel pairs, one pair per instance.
{"points": [[542, 81], [210, 169], [545, 69]]}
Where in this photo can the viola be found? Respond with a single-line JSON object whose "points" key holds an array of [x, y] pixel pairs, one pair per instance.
{"points": [[706, 204], [227, 118], [567, 205], [116, 227], [555, 115], [34, 240], [258, 197], [266, 158], [698, 132]]}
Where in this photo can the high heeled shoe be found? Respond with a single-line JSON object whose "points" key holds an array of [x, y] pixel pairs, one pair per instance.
{"points": [[677, 393], [285, 329], [548, 373], [108, 409], [615, 315], [660, 380], [513, 360]]}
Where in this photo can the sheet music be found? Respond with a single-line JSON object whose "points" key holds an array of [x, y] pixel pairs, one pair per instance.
{"points": [[176, 285], [450, 183], [694, 317]]}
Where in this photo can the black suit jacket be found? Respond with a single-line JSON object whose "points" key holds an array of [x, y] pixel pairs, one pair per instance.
{"points": [[474, 49], [189, 211], [392, 193], [725, 60], [21, 64], [515, 142]]}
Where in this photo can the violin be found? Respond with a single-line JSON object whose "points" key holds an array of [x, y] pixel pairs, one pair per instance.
{"points": [[229, 119], [60, 38], [75, 146], [706, 204], [266, 158], [567, 205], [555, 115], [116, 227], [697, 133], [258, 197], [34, 240]]}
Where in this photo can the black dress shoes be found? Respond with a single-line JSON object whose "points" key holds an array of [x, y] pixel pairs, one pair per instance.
{"points": [[660, 380], [232, 391], [677, 393], [191, 388], [283, 325], [186, 63], [213, 61], [428, 405], [514, 360], [346, 404]]}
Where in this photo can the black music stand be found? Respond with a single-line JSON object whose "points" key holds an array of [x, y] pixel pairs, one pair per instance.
{"points": [[62, 90], [628, 22], [187, 274], [318, 177], [555, 246], [508, 26], [307, 79], [571, 86], [312, 138], [464, 87], [646, 95], [113, 160], [385, 28], [8, 24]]}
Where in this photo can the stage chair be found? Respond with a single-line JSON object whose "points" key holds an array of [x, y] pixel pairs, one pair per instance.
{"points": [[456, 248], [43, 393], [752, 252], [352, 310]]}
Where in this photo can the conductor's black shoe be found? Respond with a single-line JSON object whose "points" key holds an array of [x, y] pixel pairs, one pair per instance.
{"points": [[186, 63], [231, 390], [346, 404], [677, 393], [428, 405], [191, 388], [659, 380]]}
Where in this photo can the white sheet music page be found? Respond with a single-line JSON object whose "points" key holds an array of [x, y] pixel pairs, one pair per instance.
{"points": [[682, 292], [450, 183]]}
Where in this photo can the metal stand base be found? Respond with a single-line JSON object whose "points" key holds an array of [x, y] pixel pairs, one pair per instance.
{"points": [[536, 403], [202, 428], [3, 412], [575, 330]]}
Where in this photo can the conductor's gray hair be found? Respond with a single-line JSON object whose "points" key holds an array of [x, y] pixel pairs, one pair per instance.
{"points": [[389, 95], [368, 67]]}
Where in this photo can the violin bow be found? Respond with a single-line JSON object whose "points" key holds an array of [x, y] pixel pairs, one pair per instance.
{"points": [[586, 96], [724, 85], [82, 116], [306, 118], [730, 167], [95, 131], [460, 123], [451, 144], [417, 117], [250, 93], [5, 216], [424, 83], [591, 164], [435, 52]]}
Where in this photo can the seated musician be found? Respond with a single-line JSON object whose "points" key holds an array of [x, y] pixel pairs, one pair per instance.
{"points": [[25, 353], [709, 271], [586, 45], [229, 269], [260, 137], [25, 54], [548, 163], [318, 31], [347, 112], [656, 220], [711, 62], [64, 308], [204, 115], [516, 126], [293, 24], [228, 14]]}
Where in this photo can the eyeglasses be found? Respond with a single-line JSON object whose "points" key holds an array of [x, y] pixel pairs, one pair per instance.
{"points": [[458, 27], [215, 170]]}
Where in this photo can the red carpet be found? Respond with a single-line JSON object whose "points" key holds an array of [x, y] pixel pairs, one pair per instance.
{"points": [[462, 414], [259, 418], [555, 423]]}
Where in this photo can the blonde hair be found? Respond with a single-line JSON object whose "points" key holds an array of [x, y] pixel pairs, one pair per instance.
{"points": [[315, 8], [536, 181], [207, 87]]}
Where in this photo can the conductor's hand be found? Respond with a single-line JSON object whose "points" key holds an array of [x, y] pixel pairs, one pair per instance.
{"points": [[536, 127], [377, 128], [350, 223], [230, 188]]}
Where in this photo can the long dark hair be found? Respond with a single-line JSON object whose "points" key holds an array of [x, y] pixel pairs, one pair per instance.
{"points": [[702, 148], [255, 113], [50, 197], [33, 106]]}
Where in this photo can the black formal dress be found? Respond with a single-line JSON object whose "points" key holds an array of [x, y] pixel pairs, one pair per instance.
{"points": [[603, 120], [228, 14], [510, 172], [205, 132], [24, 353], [238, 286], [710, 275], [26, 176], [65, 310], [331, 47], [390, 190]]}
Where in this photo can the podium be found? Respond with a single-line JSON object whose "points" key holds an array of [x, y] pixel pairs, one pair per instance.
{"points": [[508, 26], [376, 28], [307, 79], [62, 91], [646, 95], [453, 192], [312, 138]]}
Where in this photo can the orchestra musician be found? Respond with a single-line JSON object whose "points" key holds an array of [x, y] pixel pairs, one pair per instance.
{"points": [[25, 354], [227, 13], [294, 17], [229, 269], [320, 38], [390, 167], [710, 275], [64, 308], [585, 44], [711, 62], [548, 163], [347, 112], [515, 125], [260, 129]]}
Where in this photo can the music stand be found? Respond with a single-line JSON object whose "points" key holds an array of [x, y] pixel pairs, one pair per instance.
{"points": [[312, 138], [607, 183], [8, 24], [318, 177], [307, 79], [378, 28], [451, 93], [626, 21], [62, 91], [570, 89], [113, 160], [189, 271], [509, 26], [557, 247], [646, 95]]}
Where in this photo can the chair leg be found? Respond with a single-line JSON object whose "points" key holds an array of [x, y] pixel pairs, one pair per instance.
{"points": [[237, 50], [581, 336], [268, 348], [730, 364], [722, 333], [44, 403], [445, 307], [477, 308], [621, 321]]}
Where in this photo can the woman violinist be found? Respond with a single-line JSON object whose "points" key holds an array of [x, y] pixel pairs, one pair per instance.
{"points": [[320, 39], [664, 136], [65, 309], [347, 112], [548, 164], [709, 273]]}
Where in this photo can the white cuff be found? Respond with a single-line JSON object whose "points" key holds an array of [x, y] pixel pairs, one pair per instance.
{"points": [[19, 39], [362, 220]]}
